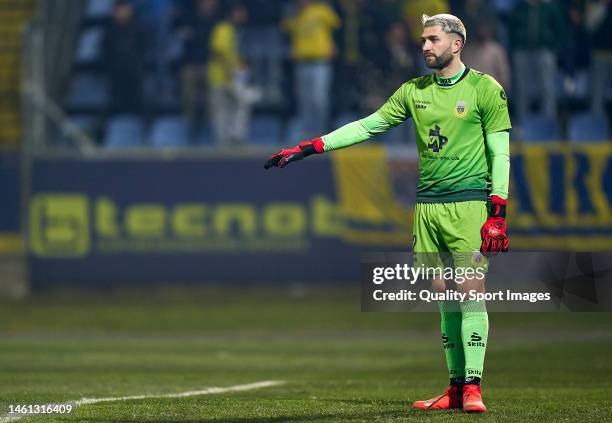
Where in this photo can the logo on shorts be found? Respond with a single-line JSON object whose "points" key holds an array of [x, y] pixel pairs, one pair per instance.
{"points": [[461, 109]]}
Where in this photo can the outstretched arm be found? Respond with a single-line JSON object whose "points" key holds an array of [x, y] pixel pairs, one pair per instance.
{"points": [[345, 136], [392, 113], [355, 132]]}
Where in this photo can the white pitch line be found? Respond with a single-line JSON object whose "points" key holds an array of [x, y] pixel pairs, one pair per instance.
{"points": [[208, 391]]}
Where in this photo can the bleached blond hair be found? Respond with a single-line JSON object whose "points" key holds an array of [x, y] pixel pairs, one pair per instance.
{"points": [[449, 24]]}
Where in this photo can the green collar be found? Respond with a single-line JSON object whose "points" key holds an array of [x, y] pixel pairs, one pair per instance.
{"points": [[452, 80]]}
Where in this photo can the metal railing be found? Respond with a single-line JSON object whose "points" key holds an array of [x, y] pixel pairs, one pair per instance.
{"points": [[48, 50]]}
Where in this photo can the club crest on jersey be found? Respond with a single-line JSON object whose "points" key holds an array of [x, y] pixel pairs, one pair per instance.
{"points": [[461, 109]]}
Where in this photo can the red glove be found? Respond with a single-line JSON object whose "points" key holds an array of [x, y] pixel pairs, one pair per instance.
{"points": [[306, 148], [493, 232]]}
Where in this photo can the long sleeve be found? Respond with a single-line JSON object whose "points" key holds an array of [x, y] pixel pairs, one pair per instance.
{"points": [[355, 132], [498, 149]]}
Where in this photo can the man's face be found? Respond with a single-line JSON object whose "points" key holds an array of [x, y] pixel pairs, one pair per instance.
{"points": [[437, 47]]}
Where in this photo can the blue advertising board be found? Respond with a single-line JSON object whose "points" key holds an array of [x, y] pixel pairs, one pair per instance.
{"points": [[9, 191], [116, 221], [104, 222]]}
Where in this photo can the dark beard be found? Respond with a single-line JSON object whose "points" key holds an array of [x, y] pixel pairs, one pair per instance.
{"points": [[441, 61]]}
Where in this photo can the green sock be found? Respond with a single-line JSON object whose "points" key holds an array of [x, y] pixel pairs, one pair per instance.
{"points": [[450, 313], [474, 331]]}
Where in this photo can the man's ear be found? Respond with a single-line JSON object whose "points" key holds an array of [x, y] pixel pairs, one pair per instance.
{"points": [[457, 44]]}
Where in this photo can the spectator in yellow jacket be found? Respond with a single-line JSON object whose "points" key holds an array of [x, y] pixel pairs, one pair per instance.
{"points": [[229, 107], [313, 48]]}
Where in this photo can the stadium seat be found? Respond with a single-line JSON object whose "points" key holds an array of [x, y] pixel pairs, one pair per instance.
{"points": [[266, 130], [169, 131], [588, 127], [540, 128], [89, 49], [124, 132], [88, 92]]}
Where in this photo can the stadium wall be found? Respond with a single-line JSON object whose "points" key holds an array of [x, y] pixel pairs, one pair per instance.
{"points": [[110, 221]]}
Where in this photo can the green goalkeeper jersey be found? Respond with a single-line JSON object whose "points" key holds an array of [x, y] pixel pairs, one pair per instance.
{"points": [[451, 123]]}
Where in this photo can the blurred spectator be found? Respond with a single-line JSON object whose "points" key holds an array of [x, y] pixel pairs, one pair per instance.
{"points": [[400, 64], [390, 67], [124, 50], [376, 19], [599, 23], [156, 17], [485, 54], [346, 90], [195, 30], [264, 49], [536, 33], [413, 11], [576, 59], [352, 15], [474, 12], [229, 96], [313, 49]]}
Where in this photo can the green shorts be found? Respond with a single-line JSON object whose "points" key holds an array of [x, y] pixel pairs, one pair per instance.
{"points": [[449, 231]]}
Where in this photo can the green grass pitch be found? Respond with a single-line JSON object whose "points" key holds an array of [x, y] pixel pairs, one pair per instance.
{"points": [[338, 364]]}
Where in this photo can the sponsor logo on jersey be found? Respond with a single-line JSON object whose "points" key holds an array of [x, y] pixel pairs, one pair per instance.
{"points": [[421, 104], [437, 140], [461, 109]]}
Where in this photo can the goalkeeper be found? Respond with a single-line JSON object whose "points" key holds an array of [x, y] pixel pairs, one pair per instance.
{"points": [[462, 131]]}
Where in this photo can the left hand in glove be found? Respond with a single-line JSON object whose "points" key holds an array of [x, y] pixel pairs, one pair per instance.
{"points": [[288, 155]]}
